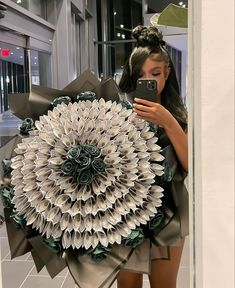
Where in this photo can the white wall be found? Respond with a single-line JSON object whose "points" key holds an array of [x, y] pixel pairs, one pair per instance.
{"points": [[212, 95]]}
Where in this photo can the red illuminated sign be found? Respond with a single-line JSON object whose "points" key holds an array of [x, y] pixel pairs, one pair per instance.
{"points": [[5, 52]]}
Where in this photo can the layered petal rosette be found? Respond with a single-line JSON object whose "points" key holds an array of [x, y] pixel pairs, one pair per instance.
{"points": [[86, 174]]}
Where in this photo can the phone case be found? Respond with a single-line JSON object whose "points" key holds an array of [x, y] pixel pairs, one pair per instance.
{"points": [[146, 89]]}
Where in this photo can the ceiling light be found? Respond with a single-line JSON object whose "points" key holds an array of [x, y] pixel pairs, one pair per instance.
{"points": [[115, 13], [18, 1], [181, 3], [122, 26], [17, 48]]}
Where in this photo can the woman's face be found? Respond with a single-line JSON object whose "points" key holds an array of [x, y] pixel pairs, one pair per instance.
{"points": [[157, 70]]}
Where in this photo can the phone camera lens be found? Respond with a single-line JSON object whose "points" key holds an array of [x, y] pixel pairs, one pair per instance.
{"points": [[151, 85]]}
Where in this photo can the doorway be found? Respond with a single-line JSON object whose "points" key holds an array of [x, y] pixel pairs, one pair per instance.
{"points": [[14, 76]]}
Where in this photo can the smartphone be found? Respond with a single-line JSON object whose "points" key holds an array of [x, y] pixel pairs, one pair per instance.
{"points": [[146, 89]]}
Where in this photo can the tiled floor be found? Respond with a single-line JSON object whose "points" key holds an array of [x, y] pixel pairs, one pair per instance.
{"points": [[21, 272], [9, 124]]}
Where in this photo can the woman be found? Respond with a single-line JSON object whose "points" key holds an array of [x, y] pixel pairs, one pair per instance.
{"points": [[150, 60]]}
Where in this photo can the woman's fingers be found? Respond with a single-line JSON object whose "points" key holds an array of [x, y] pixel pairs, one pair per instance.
{"points": [[143, 114], [148, 110], [144, 118], [141, 107], [144, 102]]}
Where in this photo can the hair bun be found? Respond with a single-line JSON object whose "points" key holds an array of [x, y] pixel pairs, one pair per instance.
{"points": [[147, 36]]}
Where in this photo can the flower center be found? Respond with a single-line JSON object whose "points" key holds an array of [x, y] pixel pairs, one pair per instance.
{"points": [[83, 163]]}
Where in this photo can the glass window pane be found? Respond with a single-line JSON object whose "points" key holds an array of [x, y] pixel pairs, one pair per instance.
{"points": [[13, 79], [123, 15], [122, 20], [41, 68], [37, 7], [117, 55]]}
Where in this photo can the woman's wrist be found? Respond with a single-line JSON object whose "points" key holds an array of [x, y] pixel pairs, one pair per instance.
{"points": [[170, 123]]}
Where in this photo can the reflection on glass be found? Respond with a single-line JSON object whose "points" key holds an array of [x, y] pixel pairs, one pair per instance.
{"points": [[122, 21], [37, 7], [13, 79], [40, 68], [119, 23]]}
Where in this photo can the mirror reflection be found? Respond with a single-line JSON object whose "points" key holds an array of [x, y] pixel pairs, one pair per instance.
{"points": [[98, 35]]}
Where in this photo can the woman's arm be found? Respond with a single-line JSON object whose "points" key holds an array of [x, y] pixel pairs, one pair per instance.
{"points": [[159, 115], [179, 140]]}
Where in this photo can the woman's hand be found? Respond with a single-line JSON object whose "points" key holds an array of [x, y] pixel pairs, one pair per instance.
{"points": [[160, 116], [153, 112]]}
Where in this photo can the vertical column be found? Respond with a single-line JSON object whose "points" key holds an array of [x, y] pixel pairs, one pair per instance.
{"points": [[104, 37], [144, 9], [61, 48], [212, 76], [93, 50]]}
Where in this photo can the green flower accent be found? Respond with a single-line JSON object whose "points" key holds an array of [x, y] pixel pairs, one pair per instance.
{"points": [[68, 167], [85, 177], [91, 150], [53, 244], [7, 194], [98, 165], [88, 95], [167, 176], [18, 220], [126, 104], [156, 220], [134, 239], [62, 99], [83, 163], [6, 165], [26, 126], [153, 128], [74, 152], [99, 253]]}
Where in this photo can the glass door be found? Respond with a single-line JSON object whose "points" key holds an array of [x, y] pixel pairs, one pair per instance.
{"points": [[13, 74], [14, 77], [20, 66]]}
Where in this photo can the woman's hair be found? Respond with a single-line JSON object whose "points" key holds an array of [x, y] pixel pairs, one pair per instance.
{"points": [[150, 44]]}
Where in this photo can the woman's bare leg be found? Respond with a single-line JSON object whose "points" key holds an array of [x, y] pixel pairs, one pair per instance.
{"points": [[164, 272], [129, 280]]}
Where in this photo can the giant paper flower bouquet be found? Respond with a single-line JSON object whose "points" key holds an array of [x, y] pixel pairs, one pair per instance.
{"points": [[84, 178]]}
